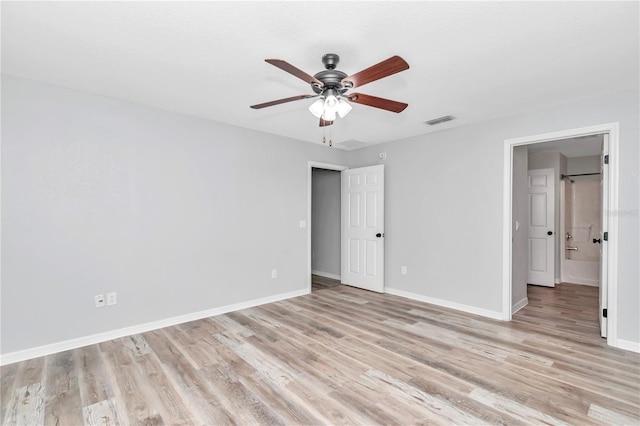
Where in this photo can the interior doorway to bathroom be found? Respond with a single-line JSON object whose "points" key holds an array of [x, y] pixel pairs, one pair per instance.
{"points": [[582, 210], [575, 216]]}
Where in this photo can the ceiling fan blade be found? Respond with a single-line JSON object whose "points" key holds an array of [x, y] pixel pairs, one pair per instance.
{"points": [[324, 122], [385, 68], [286, 66], [373, 101], [282, 101]]}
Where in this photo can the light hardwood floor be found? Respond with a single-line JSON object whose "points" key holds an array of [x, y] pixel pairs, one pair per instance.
{"points": [[342, 356]]}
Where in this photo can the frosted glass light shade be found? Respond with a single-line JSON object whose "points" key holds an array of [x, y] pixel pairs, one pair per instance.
{"points": [[331, 103], [343, 108], [330, 108], [317, 108], [329, 114]]}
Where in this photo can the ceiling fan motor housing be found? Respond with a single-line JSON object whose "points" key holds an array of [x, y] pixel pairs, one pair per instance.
{"points": [[331, 78]]}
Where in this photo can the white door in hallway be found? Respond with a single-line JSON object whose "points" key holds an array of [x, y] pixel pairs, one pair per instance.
{"points": [[362, 262], [541, 227]]}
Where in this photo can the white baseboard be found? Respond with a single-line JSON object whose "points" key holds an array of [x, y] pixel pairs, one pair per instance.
{"points": [[326, 275], [66, 345], [590, 284], [519, 305], [580, 282], [628, 345], [445, 303]]}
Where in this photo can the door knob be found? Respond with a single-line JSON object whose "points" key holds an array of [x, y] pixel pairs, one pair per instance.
{"points": [[599, 241], [549, 232], [379, 235]]}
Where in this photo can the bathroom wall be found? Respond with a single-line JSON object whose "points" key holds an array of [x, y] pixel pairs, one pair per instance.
{"points": [[580, 165], [585, 201]]}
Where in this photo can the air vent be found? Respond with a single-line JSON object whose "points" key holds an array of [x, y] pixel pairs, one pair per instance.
{"points": [[440, 120]]}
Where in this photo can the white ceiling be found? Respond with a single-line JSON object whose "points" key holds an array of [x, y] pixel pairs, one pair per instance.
{"points": [[582, 146], [475, 60]]}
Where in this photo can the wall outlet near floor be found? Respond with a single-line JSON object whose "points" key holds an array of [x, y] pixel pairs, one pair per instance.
{"points": [[403, 270], [274, 273], [112, 298], [99, 300]]}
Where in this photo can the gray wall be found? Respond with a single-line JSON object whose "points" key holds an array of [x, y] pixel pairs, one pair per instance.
{"points": [[558, 162], [444, 201], [520, 213], [179, 214], [580, 165], [176, 214], [325, 222]]}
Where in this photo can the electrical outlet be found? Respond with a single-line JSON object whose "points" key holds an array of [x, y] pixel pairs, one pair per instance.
{"points": [[274, 273], [112, 298], [403, 270], [99, 300]]}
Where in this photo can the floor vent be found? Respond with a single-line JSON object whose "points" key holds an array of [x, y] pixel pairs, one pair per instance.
{"points": [[440, 120]]}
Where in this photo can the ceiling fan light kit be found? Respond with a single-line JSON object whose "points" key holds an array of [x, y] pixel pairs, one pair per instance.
{"points": [[317, 108], [330, 85], [343, 108]]}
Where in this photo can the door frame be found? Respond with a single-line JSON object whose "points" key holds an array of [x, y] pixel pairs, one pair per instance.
{"points": [[609, 216], [310, 166]]}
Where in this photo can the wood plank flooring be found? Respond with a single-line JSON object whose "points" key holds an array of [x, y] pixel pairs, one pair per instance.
{"points": [[342, 356], [322, 283]]}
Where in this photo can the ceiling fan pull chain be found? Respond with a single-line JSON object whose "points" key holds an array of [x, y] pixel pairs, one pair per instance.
{"points": [[330, 137]]}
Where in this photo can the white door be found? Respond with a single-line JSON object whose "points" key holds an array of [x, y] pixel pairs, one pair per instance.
{"points": [[541, 224], [362, 262], [604, 182]]}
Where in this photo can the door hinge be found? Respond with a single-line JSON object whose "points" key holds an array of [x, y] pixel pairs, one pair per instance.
{"points": [[604, 313], [606, 159], [605, 236]]}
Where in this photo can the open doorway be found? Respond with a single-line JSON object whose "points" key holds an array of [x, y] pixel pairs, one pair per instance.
{"points": [[361, 240], [566, 153], [564, 231], [324, 225]]}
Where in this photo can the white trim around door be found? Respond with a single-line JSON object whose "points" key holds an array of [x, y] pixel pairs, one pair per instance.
{"points": [[611, 220]]}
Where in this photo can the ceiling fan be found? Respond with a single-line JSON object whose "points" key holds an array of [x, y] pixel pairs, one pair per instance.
{"points": [[331, 86]]}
